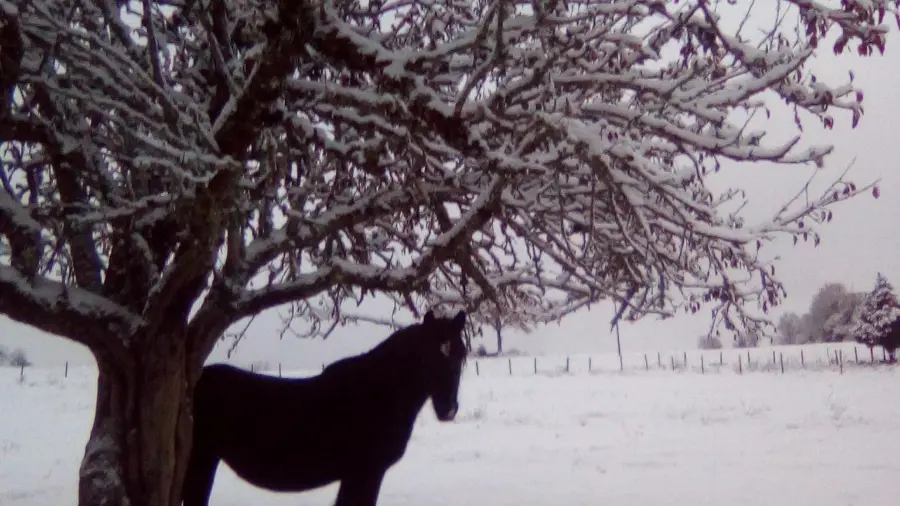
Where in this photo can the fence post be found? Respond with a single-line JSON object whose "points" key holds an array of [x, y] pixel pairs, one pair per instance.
{"points": [[872, 353], [685, 360], [748, 359], [567, 365], [883, 354], [740, 364], [672, 357], [646, 363], [721, 358], [323, 366], [22, 372], [828, 354], [251, 368], [510, 365], [590, 365], [659, 359], [535, 365], [279, 369], [66, 373], [802, 361], [841, 360], [477, 372], [773, 357], [856, 354], [702, 366], [781, 358]]}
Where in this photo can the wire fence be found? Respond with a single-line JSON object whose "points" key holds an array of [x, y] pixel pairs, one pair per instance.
{"points": [[774, 359]]}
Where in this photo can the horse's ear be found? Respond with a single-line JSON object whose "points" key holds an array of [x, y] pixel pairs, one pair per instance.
{"points": [[459, 321], [429, 317]]}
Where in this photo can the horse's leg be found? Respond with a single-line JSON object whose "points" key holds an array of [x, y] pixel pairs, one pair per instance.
{"points": [[360, 489], [198, 479]]}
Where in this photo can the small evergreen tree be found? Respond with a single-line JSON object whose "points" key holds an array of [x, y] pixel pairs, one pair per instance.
{"points": [[879, 314]]}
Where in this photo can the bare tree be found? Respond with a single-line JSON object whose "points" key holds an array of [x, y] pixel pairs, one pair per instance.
{"points": [[790, 329], [709, 342], [748, 339], [840, 325], [18, 358], [825, 303], [500, 318], [171, 168]]}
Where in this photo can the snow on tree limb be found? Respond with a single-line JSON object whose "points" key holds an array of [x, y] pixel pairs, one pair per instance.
{"points": [[520, 159], [66, 311]]}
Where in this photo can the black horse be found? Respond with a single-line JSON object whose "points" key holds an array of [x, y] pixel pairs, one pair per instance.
{"points": [[349, 424]]}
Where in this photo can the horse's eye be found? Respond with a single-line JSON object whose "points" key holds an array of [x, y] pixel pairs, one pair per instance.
{"points": [[445, 349]]}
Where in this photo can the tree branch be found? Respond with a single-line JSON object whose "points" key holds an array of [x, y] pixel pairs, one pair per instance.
{"points": [[69, 312], [343, 273], [12, 49]]}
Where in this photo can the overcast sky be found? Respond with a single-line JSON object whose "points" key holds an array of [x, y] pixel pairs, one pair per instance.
{"points": [[861, 240]]}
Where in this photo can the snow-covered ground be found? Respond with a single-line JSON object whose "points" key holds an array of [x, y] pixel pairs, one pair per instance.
{"points": [[815, 437]]}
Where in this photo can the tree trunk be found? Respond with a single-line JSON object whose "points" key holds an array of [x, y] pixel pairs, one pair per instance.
{"points": [[138, 447]]}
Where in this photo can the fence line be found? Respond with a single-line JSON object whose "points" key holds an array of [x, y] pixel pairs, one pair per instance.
{"points": [[783, 359]]}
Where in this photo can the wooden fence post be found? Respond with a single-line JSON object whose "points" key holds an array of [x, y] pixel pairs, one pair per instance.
{"points": [[841, 360], [781, 358], [702, 366], [251, 368], [66, 373], [646, 363], [748, 359], [856, 354], [802, 361], [510, 366], [659, 359], [590, 365], [567, 365], [721, 358], [477, 373], [279, 369], [672, 357], [535, 365], [773, 357], [22, 372], [740, 364], [685, 360]]}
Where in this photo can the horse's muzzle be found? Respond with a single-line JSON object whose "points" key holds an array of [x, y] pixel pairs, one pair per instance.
{"points": [[450, 414]]}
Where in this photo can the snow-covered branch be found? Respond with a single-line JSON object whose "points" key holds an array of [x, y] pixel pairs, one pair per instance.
{"points": [[525, 160], [68, 312]]}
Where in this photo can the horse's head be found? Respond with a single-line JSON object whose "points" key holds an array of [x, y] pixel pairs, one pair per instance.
{"points": [[445, 354]]}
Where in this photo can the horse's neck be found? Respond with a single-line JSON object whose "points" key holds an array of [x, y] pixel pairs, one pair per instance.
{"points": [[394, 368]]}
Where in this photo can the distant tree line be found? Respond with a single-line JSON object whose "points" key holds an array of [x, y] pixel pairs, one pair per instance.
{"points": [[15, 358], [837, 314]]}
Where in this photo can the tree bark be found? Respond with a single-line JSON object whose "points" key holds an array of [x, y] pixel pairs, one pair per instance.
{"points": [[140, 440]]}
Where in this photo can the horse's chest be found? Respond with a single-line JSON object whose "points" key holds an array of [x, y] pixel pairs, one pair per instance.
{"points": [[388, 440]]}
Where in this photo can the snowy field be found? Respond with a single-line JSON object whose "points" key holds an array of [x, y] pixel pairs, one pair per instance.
{"points": [[811, 437]]}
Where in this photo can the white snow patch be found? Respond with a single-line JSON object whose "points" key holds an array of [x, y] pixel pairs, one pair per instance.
{"points": [[805, 438]]}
